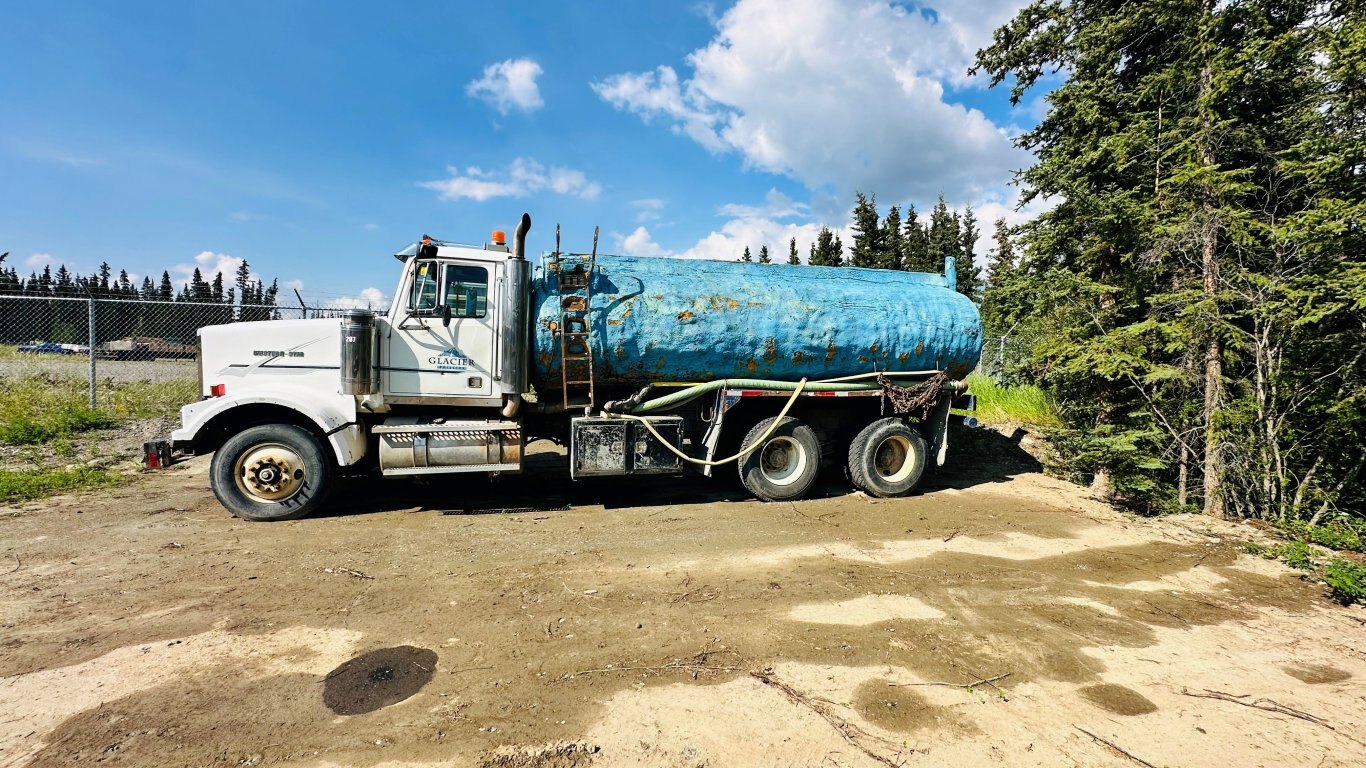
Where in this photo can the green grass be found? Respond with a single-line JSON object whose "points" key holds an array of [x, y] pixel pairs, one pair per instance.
{"points": [[1020, 405], [1348, 534], [28, 484], [1347, 580], [39, 408]]}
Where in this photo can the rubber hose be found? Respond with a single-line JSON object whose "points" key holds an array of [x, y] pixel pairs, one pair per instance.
{"points": [[717, 462]]}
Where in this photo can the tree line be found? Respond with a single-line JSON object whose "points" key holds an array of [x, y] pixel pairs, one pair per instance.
{"points": [[1196, 298], [125, 308], [901, 242]]}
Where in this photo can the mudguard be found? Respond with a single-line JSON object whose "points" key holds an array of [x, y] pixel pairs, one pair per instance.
{"points": [[334, 416]]}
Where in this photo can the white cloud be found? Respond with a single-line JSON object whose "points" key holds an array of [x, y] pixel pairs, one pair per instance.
{"points": [[640, 243], [509, 85], [40, 260], [776, 206], [522, 177], [209, 264], [371, 227], [369, 298], [647, 209], [294, 285], [838, 94]]}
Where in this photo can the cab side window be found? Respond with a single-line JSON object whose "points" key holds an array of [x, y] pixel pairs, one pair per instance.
{"points": [[467, 290], [422, 300]]}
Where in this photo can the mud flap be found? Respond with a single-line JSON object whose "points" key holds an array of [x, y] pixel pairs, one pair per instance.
{"points": [[936, 429]]}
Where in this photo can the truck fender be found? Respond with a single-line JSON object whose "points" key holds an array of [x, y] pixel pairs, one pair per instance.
{"points": [[343, 433]]}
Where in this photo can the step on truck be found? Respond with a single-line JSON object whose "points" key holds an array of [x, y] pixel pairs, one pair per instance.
{"points": [[638, 366]]}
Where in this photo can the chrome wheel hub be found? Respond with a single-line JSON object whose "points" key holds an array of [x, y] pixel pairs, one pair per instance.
{"points": [[270, 472]]}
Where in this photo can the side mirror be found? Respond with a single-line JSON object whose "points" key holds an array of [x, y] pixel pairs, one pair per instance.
{"points": [[446, 315]]}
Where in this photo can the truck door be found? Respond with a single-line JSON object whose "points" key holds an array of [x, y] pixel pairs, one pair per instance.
{"points": [[425, 355]]}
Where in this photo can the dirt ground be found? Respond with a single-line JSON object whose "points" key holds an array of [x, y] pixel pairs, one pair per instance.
{"points": [[998, 617]]}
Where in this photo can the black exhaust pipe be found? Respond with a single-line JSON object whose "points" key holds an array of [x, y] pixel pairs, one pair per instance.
{"points": [[519, 237]]}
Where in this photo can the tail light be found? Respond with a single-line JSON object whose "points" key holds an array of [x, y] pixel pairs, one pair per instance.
{"points": [[218, 390]]}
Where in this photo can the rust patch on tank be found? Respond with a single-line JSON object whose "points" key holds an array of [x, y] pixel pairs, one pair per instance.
{"points": [[798, 357], [830, 351], [770, 350], [621, 350], [660, 365], [862, 359], [904, 357], [920, 348], [751, 365], [873, 349], [614, 321], [547, 358], [684, 316]]}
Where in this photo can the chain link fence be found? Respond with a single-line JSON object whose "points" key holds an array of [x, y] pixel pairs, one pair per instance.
{"points": [[1005, 358], [125, 356]]}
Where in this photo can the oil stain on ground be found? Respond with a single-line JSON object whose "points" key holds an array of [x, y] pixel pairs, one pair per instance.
{"points": [[1316, 673], [1118, 699], [378, 679]]}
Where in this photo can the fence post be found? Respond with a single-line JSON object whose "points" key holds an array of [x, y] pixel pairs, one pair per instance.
{"points": [[90, 339]]}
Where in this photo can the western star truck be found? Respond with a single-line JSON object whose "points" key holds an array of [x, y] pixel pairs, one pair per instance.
{"points": [[637, 365]]}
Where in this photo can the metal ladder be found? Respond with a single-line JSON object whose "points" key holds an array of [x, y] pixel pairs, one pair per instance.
{"points": [[576, 328]]}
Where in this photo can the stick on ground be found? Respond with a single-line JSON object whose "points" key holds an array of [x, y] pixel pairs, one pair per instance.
{"points": [[973, 684], [849, 731], [1115, 747]]}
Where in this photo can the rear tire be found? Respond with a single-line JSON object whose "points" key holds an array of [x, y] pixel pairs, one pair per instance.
{"points": [[272, 472], [785, 467], [887, 459]]}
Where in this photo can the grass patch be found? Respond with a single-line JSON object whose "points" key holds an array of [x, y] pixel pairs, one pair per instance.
{"points": [[1024, 405], [1347, 580], [1348, 534], [28, 484], [40, 408]]}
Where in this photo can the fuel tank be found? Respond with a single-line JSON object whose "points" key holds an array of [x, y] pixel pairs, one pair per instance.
{"points": [[689, 320]]}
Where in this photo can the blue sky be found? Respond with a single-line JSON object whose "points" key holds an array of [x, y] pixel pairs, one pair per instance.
{"points": [[314, 139]]}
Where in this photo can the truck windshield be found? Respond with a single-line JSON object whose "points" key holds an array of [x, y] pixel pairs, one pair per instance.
{"points": [[467, 289]]}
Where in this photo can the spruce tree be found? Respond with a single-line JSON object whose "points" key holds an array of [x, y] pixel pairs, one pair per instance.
{"points": [[915, 244], [792, 257], [867, 246], [746, 255], [969, 274], [763, 255], [893, 250]]}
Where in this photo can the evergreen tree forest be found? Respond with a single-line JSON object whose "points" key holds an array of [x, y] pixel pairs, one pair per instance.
{"points": [[1196, 295], [123, 307], [891, 242]]}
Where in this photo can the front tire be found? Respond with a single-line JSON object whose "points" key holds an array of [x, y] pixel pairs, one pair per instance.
{"points": [[887, 458], [785, 466], [272, 472]]}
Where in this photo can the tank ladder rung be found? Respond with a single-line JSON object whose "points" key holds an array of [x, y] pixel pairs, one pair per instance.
{"points": [[576, 345]]}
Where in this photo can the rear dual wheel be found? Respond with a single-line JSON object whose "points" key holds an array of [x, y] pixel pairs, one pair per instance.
{"points": [[785, 467], [887, 458]]}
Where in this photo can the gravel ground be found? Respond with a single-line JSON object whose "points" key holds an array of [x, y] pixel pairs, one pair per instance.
{"points": [[998, 617]]}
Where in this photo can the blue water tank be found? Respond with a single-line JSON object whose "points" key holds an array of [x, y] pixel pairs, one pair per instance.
{"points": [[690, 320]]}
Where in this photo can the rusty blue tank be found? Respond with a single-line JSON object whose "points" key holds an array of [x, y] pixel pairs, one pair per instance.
{"points": [[688, 320]]}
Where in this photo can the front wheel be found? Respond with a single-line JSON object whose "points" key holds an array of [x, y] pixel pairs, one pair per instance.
{"points": [[785, 466], [272, 472], [887, 458]]}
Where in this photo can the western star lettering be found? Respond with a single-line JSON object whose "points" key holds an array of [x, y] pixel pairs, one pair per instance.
{"points": [[277, 353]]}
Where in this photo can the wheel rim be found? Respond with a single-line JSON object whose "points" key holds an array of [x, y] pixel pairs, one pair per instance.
{"points": [[270, 472], [782, 461], [893, 459]]}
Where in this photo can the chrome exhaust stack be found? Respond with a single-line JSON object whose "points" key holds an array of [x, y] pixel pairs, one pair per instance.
{"points": [[513, 354]]}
